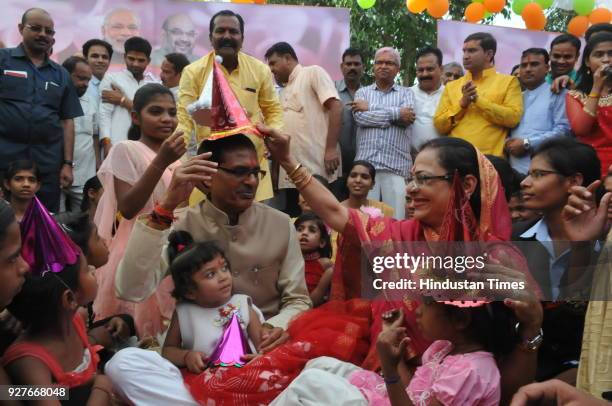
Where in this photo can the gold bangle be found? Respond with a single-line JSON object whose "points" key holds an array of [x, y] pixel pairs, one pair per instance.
{"points": [[300, 177], [594, 95], [298, 166]]}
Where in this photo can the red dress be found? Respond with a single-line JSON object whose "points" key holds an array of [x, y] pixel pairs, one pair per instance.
{"points": [[593, 130], [314, 272], [68, 379]]}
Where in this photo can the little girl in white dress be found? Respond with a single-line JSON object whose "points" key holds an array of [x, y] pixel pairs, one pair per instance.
{"points": [[211, 326]]}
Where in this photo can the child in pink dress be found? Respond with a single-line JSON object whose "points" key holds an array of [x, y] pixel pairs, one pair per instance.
{"points": [[458, 368], [135, 175]]}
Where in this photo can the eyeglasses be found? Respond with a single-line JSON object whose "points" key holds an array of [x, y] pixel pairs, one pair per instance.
{"points": [[179, 33], [37, 28], [386, 63], [539, 173], [242, 172], [420, 179]]}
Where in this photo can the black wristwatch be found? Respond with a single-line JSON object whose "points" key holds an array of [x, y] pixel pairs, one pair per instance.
{"points": [[69, 163]]}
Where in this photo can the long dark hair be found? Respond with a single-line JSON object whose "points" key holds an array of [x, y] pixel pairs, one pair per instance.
{"points": [[143, 97], [455, 154], [490, 325], [79, 228], [584, 73], [37, 305], [91, 184], [7, 217], [186, 257]]}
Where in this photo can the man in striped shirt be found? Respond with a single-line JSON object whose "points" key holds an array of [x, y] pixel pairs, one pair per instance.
{"points": [[384, 113]]}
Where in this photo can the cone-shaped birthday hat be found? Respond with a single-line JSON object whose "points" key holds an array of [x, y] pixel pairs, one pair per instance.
{"points": [[226, 116], [45, 245], [232, 346]]}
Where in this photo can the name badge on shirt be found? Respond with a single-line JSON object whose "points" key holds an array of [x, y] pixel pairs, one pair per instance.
{"points": [[16, 73]]}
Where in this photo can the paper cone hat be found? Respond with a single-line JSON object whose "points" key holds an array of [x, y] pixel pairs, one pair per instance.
{"points": [[232, 346], [219, 109], [227, 115], [45, 245]]}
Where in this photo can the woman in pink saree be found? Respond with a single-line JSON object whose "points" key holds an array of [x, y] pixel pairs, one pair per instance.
{"points": [[135, 175]]}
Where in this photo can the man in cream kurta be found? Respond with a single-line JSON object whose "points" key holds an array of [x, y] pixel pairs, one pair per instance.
{"points": [[259, 242], [249, 78], [262, 249]]}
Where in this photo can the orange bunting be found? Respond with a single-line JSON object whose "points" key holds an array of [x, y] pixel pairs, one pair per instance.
{"points": [[578, 25], [474, 12]]}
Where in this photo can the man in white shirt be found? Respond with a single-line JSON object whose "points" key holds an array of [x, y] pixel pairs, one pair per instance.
{"points": [[171, 70], [118, 89], [427, 95], [98, 54], [86, 135]]}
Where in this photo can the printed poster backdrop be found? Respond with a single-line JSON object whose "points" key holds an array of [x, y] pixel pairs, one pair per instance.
{"points": [[319, 35], [511, 42]]}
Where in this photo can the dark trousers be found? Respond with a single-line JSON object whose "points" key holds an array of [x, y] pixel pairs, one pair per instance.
{"points": [[49, 193]]}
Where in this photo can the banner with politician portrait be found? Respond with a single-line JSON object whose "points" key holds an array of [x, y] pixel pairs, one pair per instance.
{"points": [[319, 35]]}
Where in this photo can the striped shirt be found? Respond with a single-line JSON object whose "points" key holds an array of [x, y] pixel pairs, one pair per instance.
{"points": [[382, 139]]}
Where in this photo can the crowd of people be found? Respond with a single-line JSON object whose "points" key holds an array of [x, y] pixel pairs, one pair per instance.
{"points": [[178, 269]]}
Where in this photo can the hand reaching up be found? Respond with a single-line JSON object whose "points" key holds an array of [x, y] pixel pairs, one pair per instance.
{"points": [[582, 219]]}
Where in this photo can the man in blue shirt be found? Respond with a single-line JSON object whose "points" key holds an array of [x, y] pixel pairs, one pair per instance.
{"points": [[544, 111], [38, 103]]}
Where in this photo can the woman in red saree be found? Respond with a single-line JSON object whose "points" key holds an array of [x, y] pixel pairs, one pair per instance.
{"points": [[457, 196], [589, 107]]}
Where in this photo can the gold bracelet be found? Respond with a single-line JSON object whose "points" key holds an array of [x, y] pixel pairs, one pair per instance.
{"points": [[304, 183], [298, 166], [594, 95], [300, 177]]}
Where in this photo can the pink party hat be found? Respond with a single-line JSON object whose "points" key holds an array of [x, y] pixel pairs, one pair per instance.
{"points": [[45, 245], [227, 114], [232, 347]]}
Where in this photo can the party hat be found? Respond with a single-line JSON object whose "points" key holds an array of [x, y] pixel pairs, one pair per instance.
{"points": [[200, 109], [232, 346], [226, 115], [45, 245]]}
